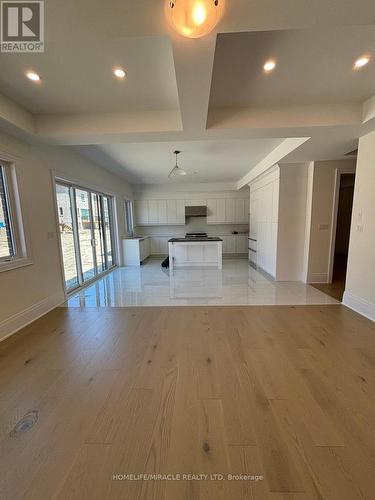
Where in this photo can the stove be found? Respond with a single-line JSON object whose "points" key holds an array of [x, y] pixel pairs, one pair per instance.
{"points": [[196, 235]]}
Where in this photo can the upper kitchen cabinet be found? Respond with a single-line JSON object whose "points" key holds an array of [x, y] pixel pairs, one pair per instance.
{"points": [[230, 210], [241, 211], [141, 212], [159, 212], [175, 212], [227, 211], [153, 217]]}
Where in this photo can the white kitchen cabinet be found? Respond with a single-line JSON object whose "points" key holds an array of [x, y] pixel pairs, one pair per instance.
{"points": [[159, 245], [227, 211], [162, 211], [211, 211], [136, 250], [242, 243], [141, 212], [153, 216], [229, 243], [216, 211], [235, 243], [254, 216], [264, 214], [157, 212], [145, 249], [230, 211], [220, 211], [241, 211], [166, 211], [175, 212]]}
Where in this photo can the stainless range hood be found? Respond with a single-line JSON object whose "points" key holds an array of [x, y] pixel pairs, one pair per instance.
{"points": [[198, 211]]}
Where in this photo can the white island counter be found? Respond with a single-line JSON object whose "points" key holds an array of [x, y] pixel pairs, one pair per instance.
{"points": [[195, 252]]}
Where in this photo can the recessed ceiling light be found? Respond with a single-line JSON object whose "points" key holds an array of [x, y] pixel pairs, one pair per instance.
{"points": [[119, 73], [31, 75], [362, 61], [269, 66]]}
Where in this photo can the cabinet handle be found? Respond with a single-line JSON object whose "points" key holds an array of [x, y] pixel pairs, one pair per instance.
{"points": [[252, 239], [252, 249]]}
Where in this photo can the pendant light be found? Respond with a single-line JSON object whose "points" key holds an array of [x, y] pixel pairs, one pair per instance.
{"points": [[176, 170], [194, 18]]}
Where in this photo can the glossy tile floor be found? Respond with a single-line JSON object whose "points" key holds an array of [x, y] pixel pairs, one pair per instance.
{"points": [[236, 284]]}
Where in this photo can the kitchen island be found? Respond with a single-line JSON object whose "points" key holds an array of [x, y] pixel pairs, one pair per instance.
{"points": [[195, 252]]}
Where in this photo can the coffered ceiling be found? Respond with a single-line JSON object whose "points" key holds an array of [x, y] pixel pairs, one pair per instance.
{"points": [[208, 97]]}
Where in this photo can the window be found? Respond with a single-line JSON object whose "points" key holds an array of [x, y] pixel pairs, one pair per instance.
{"points": [[7, 244], [129, 217], [12, 242], [86, 233]]}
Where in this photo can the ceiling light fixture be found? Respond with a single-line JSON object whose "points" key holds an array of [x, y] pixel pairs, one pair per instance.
{"points": [[119, 73], [176, 170], [269, 66], [362, 61], [31, 75], [194, 18]]}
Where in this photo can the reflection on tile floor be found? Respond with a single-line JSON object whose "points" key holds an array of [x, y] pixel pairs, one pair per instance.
{"points": [[151, 285]]}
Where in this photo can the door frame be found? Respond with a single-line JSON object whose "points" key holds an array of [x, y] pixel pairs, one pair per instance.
{"points": [[57, 178], [339, 172]]}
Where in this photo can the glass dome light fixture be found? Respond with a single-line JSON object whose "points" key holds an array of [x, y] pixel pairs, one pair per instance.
{"points": [[176, 170], [194, 18]]}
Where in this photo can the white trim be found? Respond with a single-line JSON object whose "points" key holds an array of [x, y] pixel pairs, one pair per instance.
{"points": [[8, 265], [339, 172], [23, 318], [284, 148], [81, 184], [58, 236], [359, 305]]}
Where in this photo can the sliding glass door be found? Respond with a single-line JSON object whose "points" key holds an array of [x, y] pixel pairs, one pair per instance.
{"points": [[86, 233]]}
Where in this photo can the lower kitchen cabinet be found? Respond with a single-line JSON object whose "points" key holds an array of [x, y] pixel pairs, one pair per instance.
{"points": [[242, 243], [235, 243], [136, 250], [159, 245]]}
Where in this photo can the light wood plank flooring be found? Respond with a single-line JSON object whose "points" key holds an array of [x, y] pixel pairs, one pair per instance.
{"points": [[282, 392]]}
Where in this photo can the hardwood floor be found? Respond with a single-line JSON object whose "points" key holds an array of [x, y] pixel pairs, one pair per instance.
{"points": [[287, 393], [335, 289]]}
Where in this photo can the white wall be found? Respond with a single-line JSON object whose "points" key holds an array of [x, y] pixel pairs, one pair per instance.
{"points": [[360, 280], [292, 221], [28, 292], [320, 206]]}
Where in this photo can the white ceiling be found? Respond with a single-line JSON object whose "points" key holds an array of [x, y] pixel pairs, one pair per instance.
{"points": [[204, 161], [207, 97], [313, 67], [78, 78]]}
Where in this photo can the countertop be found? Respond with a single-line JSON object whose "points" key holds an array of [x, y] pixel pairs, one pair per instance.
{"points": [[195, 240]]}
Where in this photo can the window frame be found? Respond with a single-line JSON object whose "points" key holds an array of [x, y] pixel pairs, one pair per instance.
{"points": [[59, 178], [21, 255], [129, 217]]}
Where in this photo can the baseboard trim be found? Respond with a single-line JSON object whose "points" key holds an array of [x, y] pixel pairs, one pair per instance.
{"points": [[317, 278], [359, 305], [23, 318]]}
